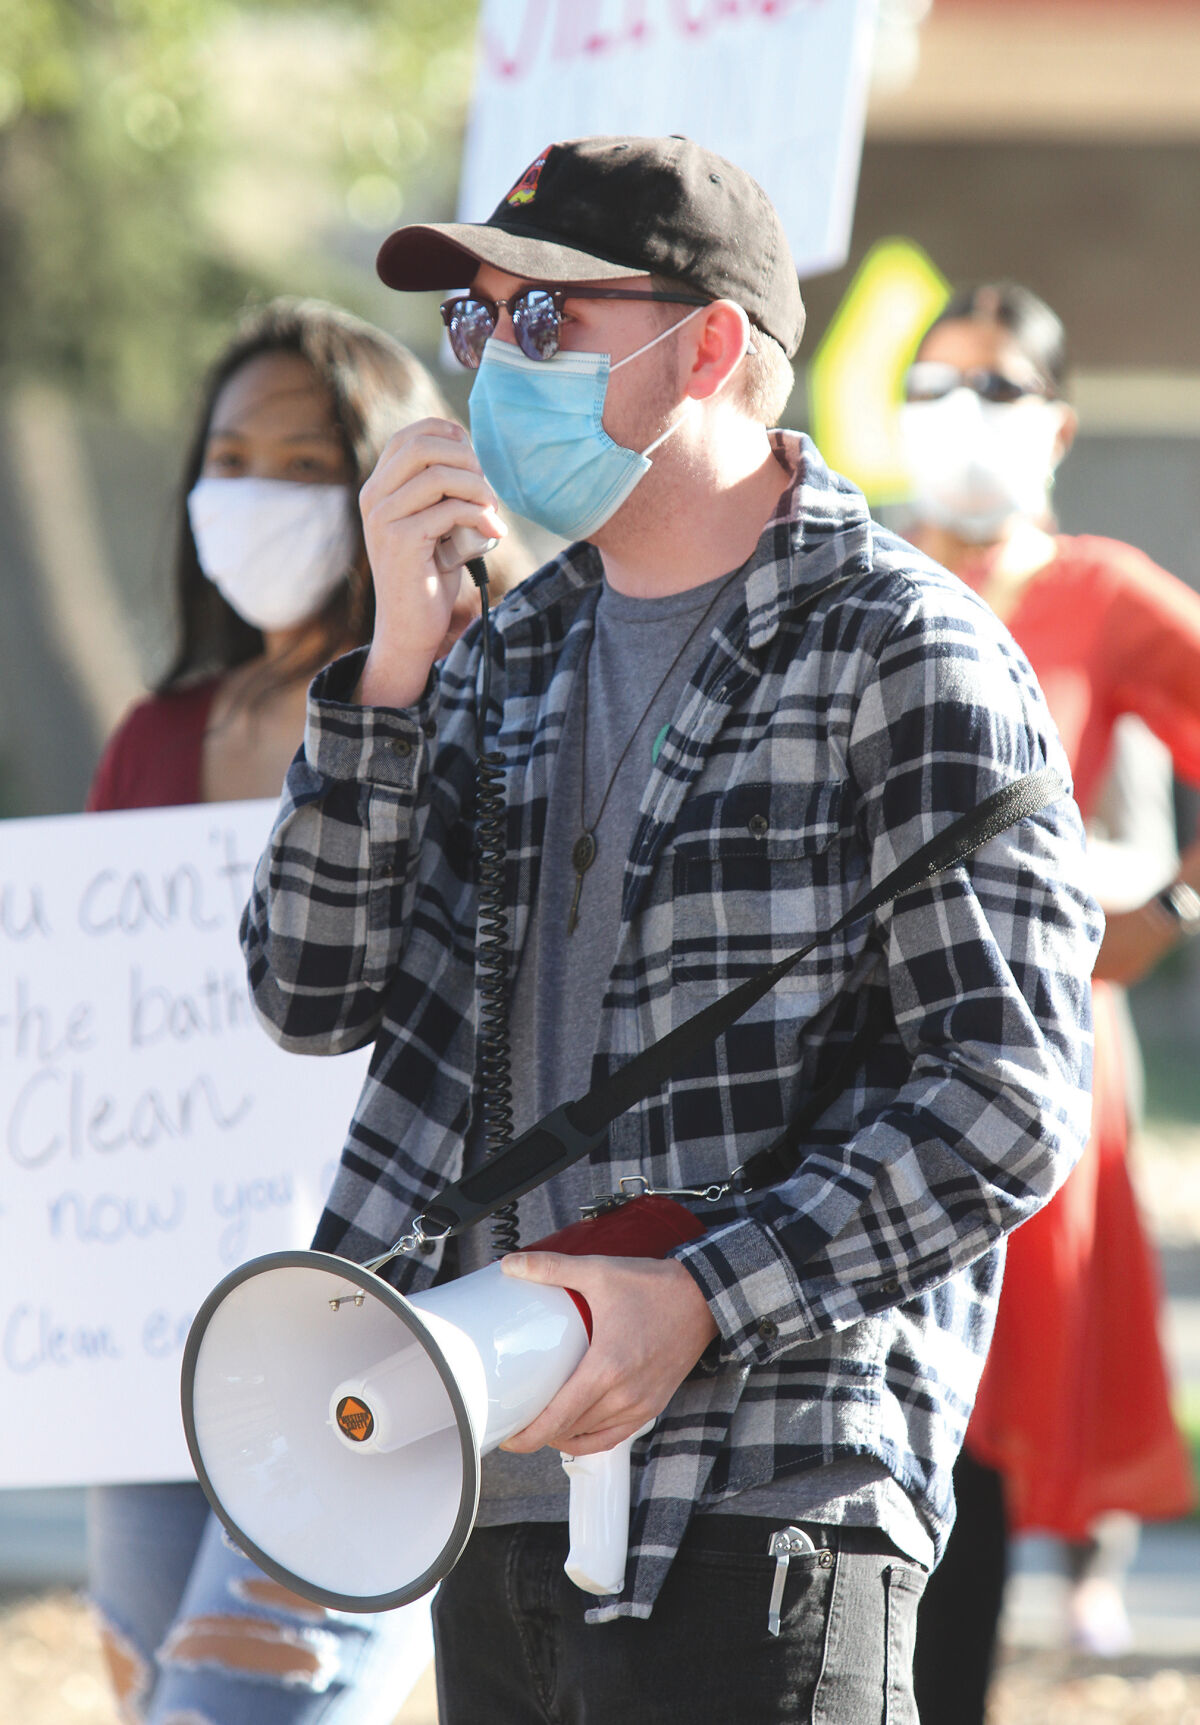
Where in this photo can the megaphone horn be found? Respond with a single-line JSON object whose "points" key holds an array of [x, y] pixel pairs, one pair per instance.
{"points": [[337, 1427]]}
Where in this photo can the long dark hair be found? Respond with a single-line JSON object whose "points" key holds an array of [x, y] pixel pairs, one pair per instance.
{"points": [[1036, 329], [375, 387]]}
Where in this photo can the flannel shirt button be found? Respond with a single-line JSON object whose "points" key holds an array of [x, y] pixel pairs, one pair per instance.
{"points": [[759, 825], [429, 727], [768, 1329], [891, 1286], [400, 746]]}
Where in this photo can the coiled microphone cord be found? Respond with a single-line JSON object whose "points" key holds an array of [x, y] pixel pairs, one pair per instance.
{"points": [[494, 1065]]}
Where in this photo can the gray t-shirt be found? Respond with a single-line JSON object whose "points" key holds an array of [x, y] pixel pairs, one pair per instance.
{"points": [[642, 654]]}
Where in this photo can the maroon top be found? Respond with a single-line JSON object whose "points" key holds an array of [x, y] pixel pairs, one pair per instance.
{"points": [[153, 758]]}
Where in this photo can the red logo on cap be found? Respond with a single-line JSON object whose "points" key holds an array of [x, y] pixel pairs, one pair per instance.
{"points": [[525, 188]]}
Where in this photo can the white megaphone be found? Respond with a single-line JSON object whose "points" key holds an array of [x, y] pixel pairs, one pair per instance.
{"points": [[337, 1427]]}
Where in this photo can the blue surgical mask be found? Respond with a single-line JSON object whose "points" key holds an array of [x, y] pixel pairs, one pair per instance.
{"points": [[537, 427]]}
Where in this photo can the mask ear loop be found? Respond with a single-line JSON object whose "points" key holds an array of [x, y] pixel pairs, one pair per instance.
{"points": [[654, 340], [747, 347]]}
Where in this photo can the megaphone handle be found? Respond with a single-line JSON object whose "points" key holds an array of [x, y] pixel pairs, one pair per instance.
{"points": [[599, 1517]]}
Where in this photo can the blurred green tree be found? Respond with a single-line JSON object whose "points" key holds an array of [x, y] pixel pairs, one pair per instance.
{"points": [[164, 161]]}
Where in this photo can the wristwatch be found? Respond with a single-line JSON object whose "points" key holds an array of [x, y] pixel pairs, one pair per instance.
{"points": [[1182, 905]]}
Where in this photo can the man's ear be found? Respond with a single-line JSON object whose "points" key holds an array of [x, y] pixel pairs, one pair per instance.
{"points": [[723, 337]]}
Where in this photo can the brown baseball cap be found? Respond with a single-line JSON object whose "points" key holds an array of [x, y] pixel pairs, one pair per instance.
{"points": [[599, 209]]}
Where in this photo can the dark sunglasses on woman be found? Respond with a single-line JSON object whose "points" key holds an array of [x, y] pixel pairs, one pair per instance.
{"points": [[930, 380], [537, 317]]}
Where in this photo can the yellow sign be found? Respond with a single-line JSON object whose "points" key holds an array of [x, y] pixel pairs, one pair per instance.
{"points": [[856, 377]]}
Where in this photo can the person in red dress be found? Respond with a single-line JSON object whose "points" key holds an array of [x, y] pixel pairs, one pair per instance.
{"points": [[1073, 1416]]}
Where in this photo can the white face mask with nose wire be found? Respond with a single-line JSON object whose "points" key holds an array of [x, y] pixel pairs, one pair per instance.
{"points": [[275, 549], [537, 427], [975, 465]]}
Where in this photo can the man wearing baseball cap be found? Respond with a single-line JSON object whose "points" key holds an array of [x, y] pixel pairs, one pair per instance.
{"points": [[729, 705]]}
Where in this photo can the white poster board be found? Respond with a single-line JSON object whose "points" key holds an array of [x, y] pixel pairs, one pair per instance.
{"points": [[151, 1135], [777, 86]]}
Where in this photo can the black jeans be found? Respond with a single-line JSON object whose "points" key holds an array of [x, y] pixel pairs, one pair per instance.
{"points": [[513, 1648], [959, 1618]]}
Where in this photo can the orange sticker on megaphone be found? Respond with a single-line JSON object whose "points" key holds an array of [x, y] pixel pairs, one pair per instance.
{"points": [[355, 1419]]}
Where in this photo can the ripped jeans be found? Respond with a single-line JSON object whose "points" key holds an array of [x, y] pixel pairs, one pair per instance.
{"points": [[195, 1634]]}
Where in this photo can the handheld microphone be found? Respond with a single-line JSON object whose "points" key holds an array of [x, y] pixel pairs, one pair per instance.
{"points": [[461, 545]]}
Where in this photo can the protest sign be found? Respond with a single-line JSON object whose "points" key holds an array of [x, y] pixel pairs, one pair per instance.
{"points": [[778, 86], [151, 1135]]}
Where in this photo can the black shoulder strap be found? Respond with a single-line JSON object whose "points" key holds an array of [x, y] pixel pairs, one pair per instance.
{"points": [[574, 1129]]}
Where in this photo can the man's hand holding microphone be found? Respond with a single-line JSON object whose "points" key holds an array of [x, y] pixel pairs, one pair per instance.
{"points": [[427, 486]]}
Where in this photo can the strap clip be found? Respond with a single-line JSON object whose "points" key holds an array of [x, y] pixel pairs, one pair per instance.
{"points": [[637, 1186], [417, 1239]]}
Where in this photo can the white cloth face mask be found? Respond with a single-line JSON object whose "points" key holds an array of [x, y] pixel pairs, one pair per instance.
{"points": [[275, 549], [975, 465]]}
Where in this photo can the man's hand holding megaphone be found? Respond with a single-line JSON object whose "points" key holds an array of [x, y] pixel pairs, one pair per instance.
{"points": [[650, 1324]]}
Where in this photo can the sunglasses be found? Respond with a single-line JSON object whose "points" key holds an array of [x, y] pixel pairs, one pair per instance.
{"points": [[537, 318], [930, 380]]}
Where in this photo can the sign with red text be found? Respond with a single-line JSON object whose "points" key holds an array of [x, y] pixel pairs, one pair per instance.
{"points": [[151, 1134], [777, 86]]}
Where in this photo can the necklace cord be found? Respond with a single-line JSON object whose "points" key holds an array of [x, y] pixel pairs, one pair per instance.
{"points": [[584, 851]]}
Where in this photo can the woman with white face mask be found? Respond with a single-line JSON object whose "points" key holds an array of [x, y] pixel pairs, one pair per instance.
{"points": [[272, 582], [1072, 1432], [271, 572]]}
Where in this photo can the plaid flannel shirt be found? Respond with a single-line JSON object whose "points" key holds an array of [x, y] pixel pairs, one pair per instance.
{"points": [[808, 755]]}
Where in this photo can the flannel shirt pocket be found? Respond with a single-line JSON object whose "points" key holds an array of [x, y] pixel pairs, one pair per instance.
{"points": [[756, 871]]}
